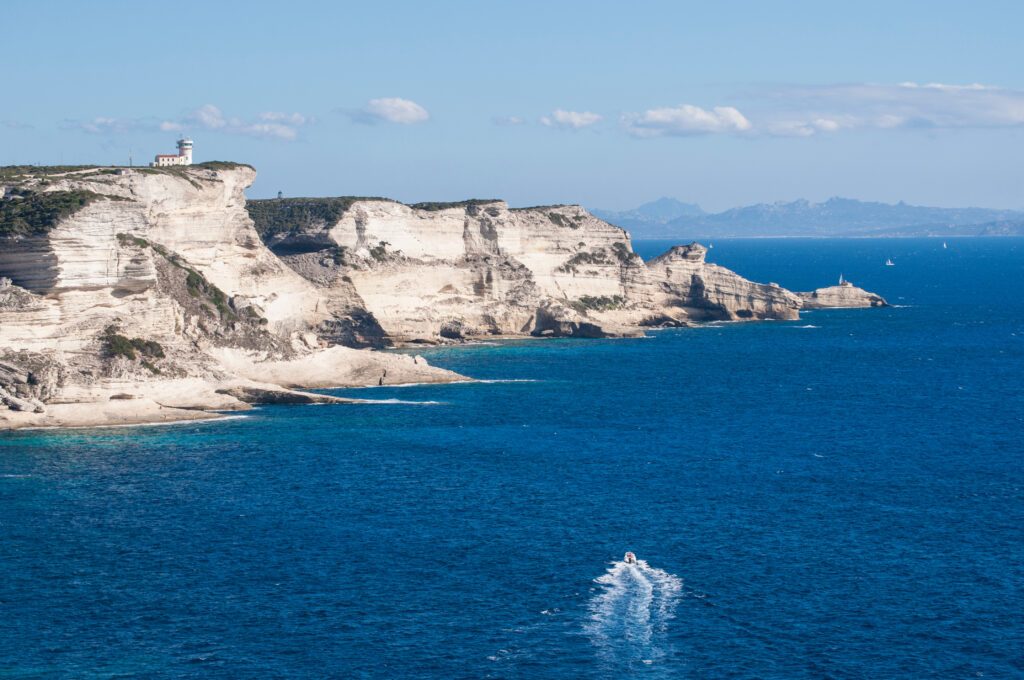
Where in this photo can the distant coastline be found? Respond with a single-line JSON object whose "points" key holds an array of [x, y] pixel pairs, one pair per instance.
{"points": [[668, 218]]}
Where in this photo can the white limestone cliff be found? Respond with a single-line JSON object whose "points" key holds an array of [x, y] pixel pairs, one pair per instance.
{"points": [[148, 295], [436, 272], [708, 292], [156, 301]]}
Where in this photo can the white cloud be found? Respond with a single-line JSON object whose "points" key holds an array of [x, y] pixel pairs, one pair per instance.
{"points": [[508, 120], [807, 111], [16, 125], [208, 116], [296, 119], [947, 88], [390, 110], [905, 105], [105, 125], [802, 128], [570, 120], [277, 130], [268, 125], [686, 119]]}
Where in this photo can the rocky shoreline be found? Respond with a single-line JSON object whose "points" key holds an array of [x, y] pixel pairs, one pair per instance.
{"points": [[132, 296]]}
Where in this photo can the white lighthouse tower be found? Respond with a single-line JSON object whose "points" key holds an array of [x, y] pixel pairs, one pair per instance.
{"points": [[185, 151], [183, 157]]}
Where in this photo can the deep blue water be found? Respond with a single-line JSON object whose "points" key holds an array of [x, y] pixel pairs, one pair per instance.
{"points": [[838, 497]]}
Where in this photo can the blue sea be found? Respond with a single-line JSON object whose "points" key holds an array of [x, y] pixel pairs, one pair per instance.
{"points": [[836, 497]]}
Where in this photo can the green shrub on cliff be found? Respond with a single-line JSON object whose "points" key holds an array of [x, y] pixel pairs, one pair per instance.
{"points": [[22, 171], [279, 218], [30, 213], [533, 208], [195, 283], [566, 221], [198, 287], [434, 206], [623, 253], [221, 165], [595, 257], [599, 303], [117, 345], [129, 239]]}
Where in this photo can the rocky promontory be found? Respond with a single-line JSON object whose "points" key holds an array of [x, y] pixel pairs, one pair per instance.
{"points": [[132, 295], [437, 272], [844, 295]]}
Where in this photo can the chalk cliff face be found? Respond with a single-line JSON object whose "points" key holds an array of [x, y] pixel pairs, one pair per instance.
{"points": [[425, 273], [431, 272], [154, 297], [708, 292], [141, 295]]}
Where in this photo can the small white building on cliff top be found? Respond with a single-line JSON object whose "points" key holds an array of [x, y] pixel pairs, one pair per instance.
{"points": [[184, 156]]}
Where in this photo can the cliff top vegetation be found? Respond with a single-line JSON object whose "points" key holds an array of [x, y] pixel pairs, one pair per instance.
{"points": [[434, 206], [283, 217], [20, 172], [29, 213]]}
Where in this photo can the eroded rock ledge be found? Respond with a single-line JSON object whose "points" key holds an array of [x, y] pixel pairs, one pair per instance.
{"points": [[844, 295]]}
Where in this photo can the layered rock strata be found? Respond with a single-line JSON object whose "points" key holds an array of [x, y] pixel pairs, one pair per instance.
{"points": [[154, 299], [147, 295], [446, 272]]}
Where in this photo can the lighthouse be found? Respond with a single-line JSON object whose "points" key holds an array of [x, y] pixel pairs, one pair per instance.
{"points": [[183, 157], [185, 151]]}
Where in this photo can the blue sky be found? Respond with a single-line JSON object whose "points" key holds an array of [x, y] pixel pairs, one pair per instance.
{"points": [[608, 104]]}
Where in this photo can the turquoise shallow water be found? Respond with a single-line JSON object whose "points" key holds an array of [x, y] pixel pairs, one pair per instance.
{"points": [[841, 497]]}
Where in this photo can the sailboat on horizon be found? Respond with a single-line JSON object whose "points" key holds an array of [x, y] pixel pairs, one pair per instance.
{"points": [[889, 262]]}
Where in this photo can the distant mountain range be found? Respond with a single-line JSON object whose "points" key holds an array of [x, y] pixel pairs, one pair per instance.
{"points": [[836, 217]]}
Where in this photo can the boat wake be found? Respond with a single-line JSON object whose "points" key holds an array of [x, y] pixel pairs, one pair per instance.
{"points": [[629, 616]]}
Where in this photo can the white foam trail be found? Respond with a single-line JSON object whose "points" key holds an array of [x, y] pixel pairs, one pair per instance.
{"points": [[470, 381], [408, 384], [498, 381], [628, 618]]}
